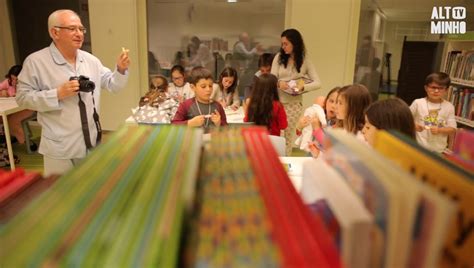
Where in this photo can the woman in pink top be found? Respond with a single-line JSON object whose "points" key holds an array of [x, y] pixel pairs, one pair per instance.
{"points": [[8, 86]]}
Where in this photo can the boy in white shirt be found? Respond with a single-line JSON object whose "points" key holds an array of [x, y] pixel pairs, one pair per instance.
{"points": [[434, 116]]}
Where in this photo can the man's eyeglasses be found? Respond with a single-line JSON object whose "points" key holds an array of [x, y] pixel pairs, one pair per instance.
{"points": [[72, 28]]}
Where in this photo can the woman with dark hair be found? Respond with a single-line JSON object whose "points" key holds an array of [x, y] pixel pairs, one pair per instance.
{"points": [[388, 114], [291, 64], [264, 107], [225, 91]]}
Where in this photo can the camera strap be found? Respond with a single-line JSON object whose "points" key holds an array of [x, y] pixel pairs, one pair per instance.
{"points": [[85, 124]]}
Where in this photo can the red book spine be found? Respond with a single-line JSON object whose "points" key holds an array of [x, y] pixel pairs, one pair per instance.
{"points": [[302, 238]]}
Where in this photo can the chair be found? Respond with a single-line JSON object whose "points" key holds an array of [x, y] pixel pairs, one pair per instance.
{"points": [[31, 147], [279, 143]]}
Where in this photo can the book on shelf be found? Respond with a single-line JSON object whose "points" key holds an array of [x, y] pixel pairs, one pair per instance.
{"points": [[302, 237], [247, 212], [462, 99], [460, 64], [343, 212], [463, 145], [14, 182], [21, 199], [227, 198], [463, 151], [449, 179], [406, 230], [449, 60]]}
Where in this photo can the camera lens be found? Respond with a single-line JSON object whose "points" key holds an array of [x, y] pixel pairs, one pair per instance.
{"points": [[86, 85]]}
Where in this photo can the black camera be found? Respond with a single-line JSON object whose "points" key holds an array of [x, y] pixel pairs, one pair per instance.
{"points": [[85, 85]]}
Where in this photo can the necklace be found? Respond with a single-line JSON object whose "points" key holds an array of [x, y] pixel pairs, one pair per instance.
{"points": [[428, 106], [207, 116]]}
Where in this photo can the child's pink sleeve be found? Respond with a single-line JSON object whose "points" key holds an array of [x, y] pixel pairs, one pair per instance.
{"points": [[4, 85]]}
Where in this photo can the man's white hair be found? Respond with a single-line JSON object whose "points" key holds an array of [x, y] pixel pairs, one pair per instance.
{"points": [[243, 36], [53, 19]]}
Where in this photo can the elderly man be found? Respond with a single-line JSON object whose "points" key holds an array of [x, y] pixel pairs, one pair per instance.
{"points": [[242, 47], [51, 83]]}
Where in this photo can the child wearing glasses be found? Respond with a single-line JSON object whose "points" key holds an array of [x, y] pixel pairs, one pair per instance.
{"points": [[434, 116], [179, 89]]}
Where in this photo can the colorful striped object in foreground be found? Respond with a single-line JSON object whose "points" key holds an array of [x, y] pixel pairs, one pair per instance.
{"points": [[122, 206], [247, 212]]}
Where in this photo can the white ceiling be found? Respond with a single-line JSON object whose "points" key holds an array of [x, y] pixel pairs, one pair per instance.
{"points": [[394, 10]]}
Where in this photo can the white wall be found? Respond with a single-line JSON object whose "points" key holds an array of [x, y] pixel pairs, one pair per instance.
{"points": [[170, 25], [7, 53], [116, 24], [329, 29]]}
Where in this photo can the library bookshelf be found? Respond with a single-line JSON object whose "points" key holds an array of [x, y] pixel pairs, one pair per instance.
{"points": [[458, 62]]}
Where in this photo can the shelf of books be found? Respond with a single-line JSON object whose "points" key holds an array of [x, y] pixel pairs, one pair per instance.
{"points": [[462, 82], [158, 196], [462, 97], [396, 189], [459, 64], [465, 121]]}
